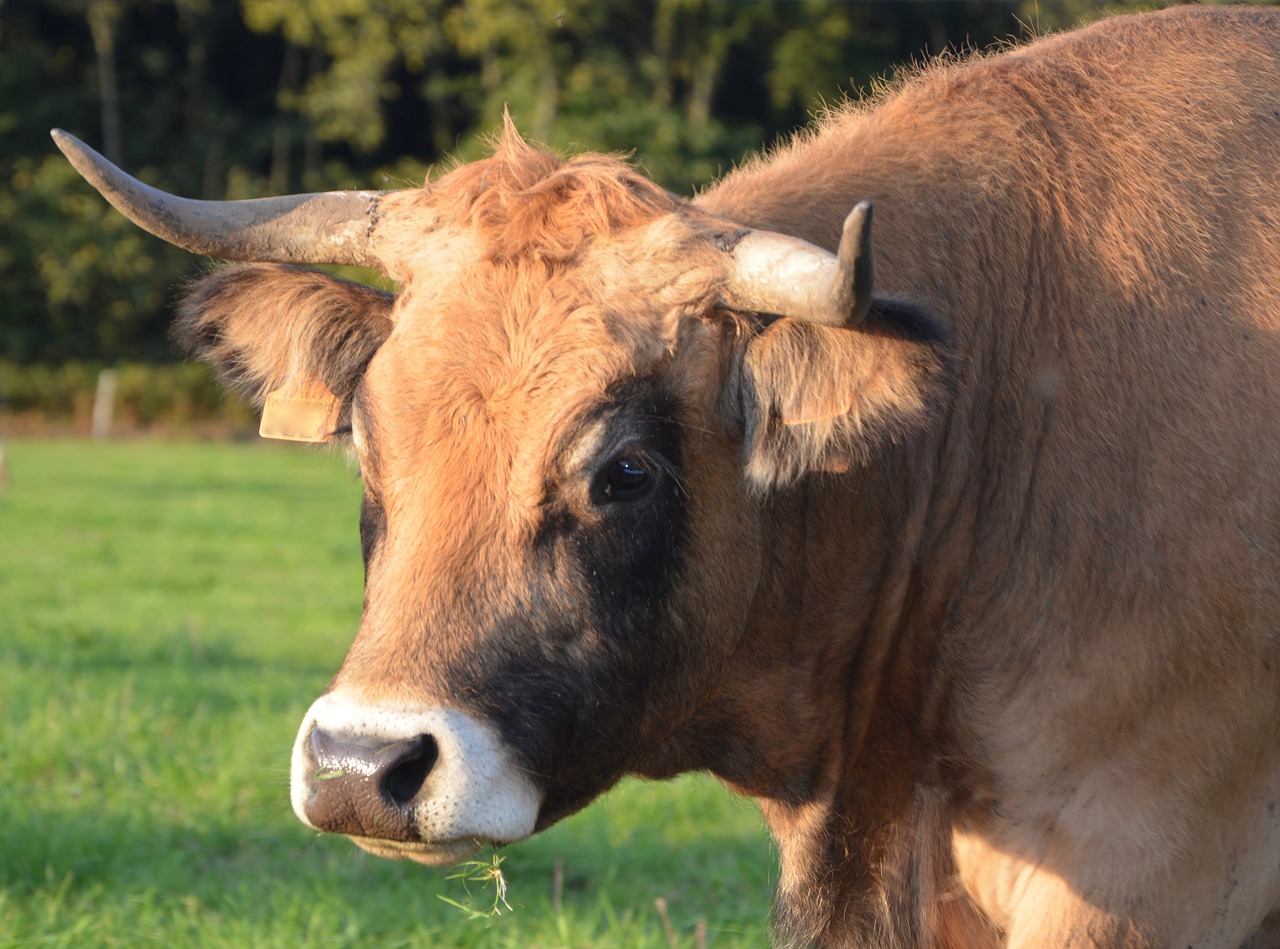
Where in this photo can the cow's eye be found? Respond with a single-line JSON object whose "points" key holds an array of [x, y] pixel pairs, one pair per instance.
{"points": [[626, 479]]}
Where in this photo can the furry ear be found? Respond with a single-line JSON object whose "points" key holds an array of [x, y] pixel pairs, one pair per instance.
{"points": [[265, 327], [811, 397]]}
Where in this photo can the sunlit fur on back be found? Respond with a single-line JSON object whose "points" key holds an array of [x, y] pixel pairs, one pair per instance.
{"points": [[978, 597]]}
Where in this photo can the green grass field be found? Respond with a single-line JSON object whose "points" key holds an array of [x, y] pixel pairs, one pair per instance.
{"points": [[167, 613]]}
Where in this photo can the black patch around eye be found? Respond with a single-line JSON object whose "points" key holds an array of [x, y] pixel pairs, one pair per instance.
{"points": [[631, 553], [582, 643]]}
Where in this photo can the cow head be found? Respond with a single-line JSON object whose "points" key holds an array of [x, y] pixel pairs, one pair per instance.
{"points": [[570, 419]]}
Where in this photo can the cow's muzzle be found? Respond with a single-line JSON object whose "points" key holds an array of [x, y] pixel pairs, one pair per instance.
{"points": [[429, 784]]}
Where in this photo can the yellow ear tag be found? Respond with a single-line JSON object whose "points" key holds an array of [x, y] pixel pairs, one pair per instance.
{"points": [[308, 414]]}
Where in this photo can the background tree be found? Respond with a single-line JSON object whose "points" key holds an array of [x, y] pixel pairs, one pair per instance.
{"points": [[223, 100]]}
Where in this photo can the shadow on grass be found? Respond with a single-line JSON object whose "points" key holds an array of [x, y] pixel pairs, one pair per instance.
{"points": [[265, 879], [99, 648]]}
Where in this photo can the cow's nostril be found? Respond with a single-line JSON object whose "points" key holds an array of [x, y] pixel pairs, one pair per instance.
{"points": [[403, 781], [363, 786]]}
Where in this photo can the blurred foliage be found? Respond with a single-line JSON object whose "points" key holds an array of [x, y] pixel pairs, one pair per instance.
{"points": [[174, 397], [229, 100]]}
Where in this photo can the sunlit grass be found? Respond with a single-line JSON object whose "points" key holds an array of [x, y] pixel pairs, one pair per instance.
{"points": [[167, 613]]}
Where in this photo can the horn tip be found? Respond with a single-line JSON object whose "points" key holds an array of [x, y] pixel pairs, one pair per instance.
{"points": [[75, 150], [860, 216]]}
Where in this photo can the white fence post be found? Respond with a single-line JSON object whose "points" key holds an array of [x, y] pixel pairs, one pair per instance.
{"points": [[104, 403], [4, 465]]}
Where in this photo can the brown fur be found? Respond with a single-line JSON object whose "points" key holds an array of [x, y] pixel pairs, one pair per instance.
{"points": [[305, 325], [526, 203], [985, 617]]}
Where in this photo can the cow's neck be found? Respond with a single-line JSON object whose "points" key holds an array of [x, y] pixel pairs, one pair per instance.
{"points": [[871, 865], [856, 762], [865, 833]]}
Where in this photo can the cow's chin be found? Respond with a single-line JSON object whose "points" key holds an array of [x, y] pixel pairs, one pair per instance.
{"points": [[433, 855]]}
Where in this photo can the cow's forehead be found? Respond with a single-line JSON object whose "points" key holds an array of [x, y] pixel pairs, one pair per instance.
{"points": [[528, 234], [494, 379], [643, 276], [511, 332], [532, 288], [472, 420], [503, 384]]}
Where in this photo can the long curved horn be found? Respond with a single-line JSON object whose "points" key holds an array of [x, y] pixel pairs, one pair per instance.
{"points": [[776, 273], [334, 227]]}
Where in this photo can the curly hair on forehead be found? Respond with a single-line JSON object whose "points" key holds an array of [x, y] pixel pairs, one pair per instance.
{"points": [[525, 202]]}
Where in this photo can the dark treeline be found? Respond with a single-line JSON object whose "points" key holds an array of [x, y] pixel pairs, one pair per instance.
{"points": [[219, 99]]}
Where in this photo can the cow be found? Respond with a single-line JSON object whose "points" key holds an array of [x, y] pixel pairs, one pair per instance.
{"points": [[969, 575]]}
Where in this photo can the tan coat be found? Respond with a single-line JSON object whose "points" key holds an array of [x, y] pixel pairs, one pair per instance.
{"points": [[978, 597]]}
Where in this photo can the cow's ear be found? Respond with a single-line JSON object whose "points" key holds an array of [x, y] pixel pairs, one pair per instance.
{"points": [[812, 397], [265, 327]]}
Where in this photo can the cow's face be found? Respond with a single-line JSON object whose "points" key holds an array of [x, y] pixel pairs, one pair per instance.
{"points": [[537, 573], [570, 421]]}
